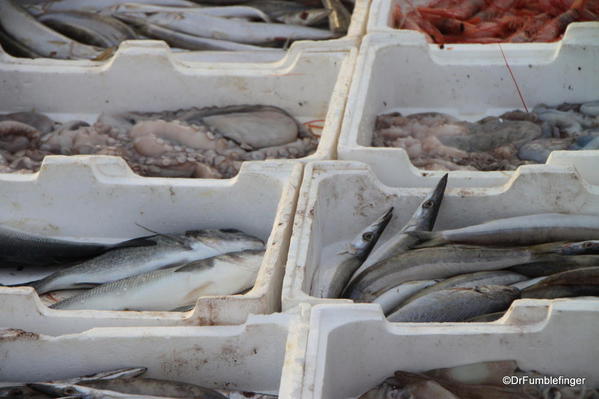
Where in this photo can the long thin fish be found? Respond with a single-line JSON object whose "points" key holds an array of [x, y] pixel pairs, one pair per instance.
{"points": [[225, 12], [328, 283], [433, 263], [471, 280], [340, 18], [173, 287], [155, 387], [38, 37], [168, 251], [94, 5], [423, 219], [14, 47], [185, 41], [456, 304], [235, 31], [519, 230], [80, 391], [572, 283], [126, 374], [18, 247], [89, 28]]}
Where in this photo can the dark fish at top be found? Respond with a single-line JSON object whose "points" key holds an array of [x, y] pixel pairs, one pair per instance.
{"points": [[22, 248]]}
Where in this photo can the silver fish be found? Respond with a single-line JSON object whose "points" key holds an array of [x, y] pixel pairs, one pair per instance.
{"points": [[126, 374], [306, 17], [394, 297], [173, 287], [328, 283], [155, 387], [18, 247], [89, 28], [456, 304], [236, 31], [433, 263], [15, 48], [590, 247], [168, 251], [471, 280], [519, 230], [423, 219], [79, 391], [94, 5], [521, 285], [572, 283], [551, 264], [38, 37], [224, 12]]}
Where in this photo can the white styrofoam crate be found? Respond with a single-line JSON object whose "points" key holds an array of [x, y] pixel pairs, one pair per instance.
{"points": [[469, 82], [145, 76], [352, 348], [100, 197], [339, 199], [381, 18], [355, 32], [246, 357]]}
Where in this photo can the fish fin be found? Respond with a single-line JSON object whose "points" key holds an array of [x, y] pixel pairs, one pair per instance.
{"points": [[172, 237], [134, 242], [426, 239], [196, 265]]}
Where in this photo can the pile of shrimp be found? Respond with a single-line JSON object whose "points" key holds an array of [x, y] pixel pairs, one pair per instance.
{"points": [[494, 21]]}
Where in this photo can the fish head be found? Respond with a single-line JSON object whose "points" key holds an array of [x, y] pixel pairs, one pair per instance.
{"points": [[580, 248], [230, 239], [363, 243], [425, 216], [58, 389]]}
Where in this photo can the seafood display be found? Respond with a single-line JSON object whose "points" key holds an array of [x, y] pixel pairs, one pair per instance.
{"points": [[92, 29], [156, 272], [125, 383], [209, 142], [480, 380], [472, 273], [478, 21], [436, 141]]}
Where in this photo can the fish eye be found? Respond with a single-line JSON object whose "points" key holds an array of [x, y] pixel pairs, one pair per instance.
{"points": [[587, 244], [427, 204], [367, 236]]}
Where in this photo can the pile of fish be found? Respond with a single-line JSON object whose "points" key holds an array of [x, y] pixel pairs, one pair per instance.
{"points": [[480, 21], [124, 383], [92, 29], [437, 141], [472, 273], [156, 272], [209, 142], [476, 381]]}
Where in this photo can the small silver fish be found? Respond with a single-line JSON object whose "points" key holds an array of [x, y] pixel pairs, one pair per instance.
{"points": [[456, 304], [174, 287]]}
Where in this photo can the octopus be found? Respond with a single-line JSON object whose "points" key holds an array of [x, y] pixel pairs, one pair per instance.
{"points": [[209, 142], [439, 141]]}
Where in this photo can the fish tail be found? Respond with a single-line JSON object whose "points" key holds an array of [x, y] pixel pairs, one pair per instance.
{"points": [[426, 239]]}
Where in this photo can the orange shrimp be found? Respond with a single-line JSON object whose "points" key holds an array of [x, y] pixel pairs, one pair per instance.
{"points": [[463, 10]]}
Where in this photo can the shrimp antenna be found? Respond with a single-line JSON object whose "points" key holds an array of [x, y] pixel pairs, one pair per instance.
{"points": [[513, 78]]}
